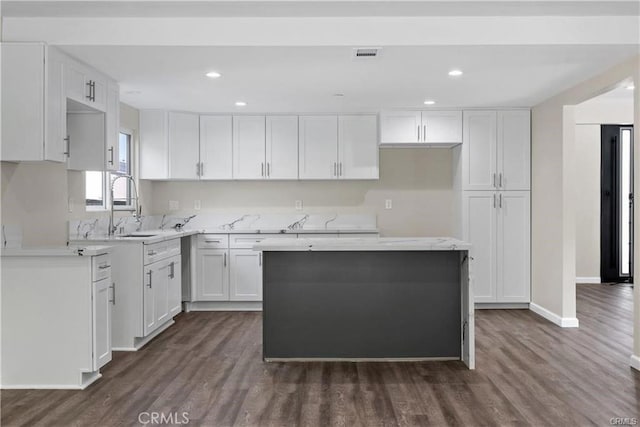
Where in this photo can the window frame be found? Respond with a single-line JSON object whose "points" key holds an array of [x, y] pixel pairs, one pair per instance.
{"points": [[107, 179]]}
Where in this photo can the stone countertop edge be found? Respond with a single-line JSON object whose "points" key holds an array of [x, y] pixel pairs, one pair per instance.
{"points": [[167, 235], [364, 244], [72, 251]]}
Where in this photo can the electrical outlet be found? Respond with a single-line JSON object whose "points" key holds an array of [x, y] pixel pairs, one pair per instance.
{"points": [[388, 204], [196, 205], [298, 205], [174, 205]]}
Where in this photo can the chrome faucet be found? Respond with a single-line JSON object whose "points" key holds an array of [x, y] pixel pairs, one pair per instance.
{"points": [[137, 211], [184, 222], [299, 223]]}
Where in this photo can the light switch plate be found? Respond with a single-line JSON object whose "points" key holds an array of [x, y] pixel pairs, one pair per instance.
{"points": [[388, 204], [174, 205], [298, 205], [196, 205]]}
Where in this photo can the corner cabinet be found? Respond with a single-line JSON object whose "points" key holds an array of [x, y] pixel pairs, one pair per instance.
{"points": [[338, 147]]}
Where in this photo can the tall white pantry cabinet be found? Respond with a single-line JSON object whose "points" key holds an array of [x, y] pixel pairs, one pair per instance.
{"points": [[495, 165]]}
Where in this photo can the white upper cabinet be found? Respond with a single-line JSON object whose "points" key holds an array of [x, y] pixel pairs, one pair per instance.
{"points": [[497, 150], [479, 150], [184, 145], [249, 147], [400, 127], [318, 147], [421, 128], [33, 103], [216, 147], [85, 85], [154, 149], [358, 147], [112, 128], [514, 150], [281, 148], [86, 133], [442, 127]]}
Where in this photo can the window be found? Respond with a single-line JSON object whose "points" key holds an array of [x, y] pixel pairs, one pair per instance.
{"points": [[98, 183]]}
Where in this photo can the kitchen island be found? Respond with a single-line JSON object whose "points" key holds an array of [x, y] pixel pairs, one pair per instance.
{"points": [[367, 299]]}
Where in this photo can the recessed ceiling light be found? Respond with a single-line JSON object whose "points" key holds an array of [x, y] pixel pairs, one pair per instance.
{"points": [[631, 87], [241, 104], [429, 102], [455, 73], [213, 74]]}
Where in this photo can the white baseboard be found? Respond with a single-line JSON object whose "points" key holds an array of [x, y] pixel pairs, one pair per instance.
{"points": [[563, 322], [635, 362], [223, 306], [501, 305], [588, 280]]}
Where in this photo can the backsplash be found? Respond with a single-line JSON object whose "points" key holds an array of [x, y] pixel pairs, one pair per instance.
{"points": [[82, 229]]}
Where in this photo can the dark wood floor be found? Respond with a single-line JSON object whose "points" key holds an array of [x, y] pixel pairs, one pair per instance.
{"points": [[529, 372]]}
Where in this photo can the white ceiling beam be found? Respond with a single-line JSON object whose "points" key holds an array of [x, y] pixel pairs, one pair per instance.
{"points": [[378, 31]]}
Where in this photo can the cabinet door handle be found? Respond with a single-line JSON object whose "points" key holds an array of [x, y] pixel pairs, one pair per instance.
{"points": [[335, 169], [212, 241], [89, 86], [224, 259], [110, 155], [151, 253], [104, 266], [418, 133], [149, 273], [201, 168], [261, 169], [260, 259], [172, 271], [268, 169], [500, 204], [113, 287], [197, 169], [494, 180], [500, 180], [340, 168], [494, 200], [68, 141], [93, 91], [424, 133]]}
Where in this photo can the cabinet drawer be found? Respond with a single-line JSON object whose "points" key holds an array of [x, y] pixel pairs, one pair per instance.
{"points": [[154, 252], [246, 241], [173, 248], [213, 241], [101, 267]]}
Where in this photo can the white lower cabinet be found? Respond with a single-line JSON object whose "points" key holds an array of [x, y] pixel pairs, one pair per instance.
{"points": [[498, 226], [212, 275], [246, 275], [162, 292], [102, 303], [56, 317]]}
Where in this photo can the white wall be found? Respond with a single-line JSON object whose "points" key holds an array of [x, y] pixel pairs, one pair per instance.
{"points": [[418, 181], [589, 116], [554, 189]]}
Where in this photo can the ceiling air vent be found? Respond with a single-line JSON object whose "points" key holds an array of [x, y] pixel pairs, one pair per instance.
{"points": [[366, 52]]}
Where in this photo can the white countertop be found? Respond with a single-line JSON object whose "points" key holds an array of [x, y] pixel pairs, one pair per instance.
{"points": [[92, 250], [140, 237], [161, 235], [364, 244]]}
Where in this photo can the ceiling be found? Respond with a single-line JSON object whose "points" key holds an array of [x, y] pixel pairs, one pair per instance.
{"points": [[305, 79], [316, 8]]}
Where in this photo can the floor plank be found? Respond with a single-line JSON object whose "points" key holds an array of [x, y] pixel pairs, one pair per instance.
{"points": [[529, 372]]}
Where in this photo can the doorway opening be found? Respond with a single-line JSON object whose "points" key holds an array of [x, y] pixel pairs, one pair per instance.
{"points": [[616, 204]]}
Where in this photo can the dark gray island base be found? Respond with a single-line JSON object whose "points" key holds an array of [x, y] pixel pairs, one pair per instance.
{"points": [[328, 301]]}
